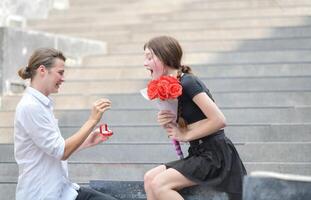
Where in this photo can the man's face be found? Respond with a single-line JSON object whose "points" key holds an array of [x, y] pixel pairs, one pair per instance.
{"points": [[153, 64], [55, 76]]}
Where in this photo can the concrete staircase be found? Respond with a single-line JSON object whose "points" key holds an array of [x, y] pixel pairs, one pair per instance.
{"points": [[255, 56]]}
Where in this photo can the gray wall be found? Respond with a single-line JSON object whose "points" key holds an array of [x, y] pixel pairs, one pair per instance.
{"points": [[17, 45], [16, 12]]}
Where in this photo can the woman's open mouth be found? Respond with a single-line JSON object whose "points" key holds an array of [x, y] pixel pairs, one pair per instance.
{"points": [[151, 71]]}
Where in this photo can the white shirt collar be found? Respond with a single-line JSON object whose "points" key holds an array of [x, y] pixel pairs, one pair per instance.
{"points": [[47, 101]]}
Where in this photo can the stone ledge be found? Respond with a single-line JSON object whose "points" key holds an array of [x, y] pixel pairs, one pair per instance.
{"points": [[129, 190], [274, 186]]}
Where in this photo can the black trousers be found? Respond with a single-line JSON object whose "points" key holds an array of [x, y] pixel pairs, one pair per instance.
{"points": [[90, 194]]}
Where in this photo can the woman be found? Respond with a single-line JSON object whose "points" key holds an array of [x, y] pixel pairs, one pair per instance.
{"points": [[213, 159], [40, 151]]}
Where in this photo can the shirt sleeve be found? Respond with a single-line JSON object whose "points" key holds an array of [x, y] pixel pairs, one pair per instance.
{"points": [[44, 132], [191, 86]]}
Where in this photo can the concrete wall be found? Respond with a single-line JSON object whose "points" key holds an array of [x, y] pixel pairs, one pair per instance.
{"points": [[17, 45], [1, 60], [16, 12]]}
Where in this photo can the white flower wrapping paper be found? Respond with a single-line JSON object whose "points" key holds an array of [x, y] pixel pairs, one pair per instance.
{"points": [[172, 105]]}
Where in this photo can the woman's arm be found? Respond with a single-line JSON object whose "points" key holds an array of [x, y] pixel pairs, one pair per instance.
{"points": [[215, 118], [215, 121]]}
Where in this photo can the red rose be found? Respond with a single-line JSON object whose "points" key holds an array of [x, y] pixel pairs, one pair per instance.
{"points": [[163, 89], [175, 90], [152, 89]]}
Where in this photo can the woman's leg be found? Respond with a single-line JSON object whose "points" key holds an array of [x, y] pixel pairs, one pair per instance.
{"points": [[148, 178], [165, 185]]}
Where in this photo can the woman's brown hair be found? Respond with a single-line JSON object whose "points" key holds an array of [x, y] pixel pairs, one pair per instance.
{"points": [[169, 51], [42, 56]]}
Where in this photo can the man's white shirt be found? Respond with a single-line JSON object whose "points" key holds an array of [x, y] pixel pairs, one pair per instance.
{"points": [[38, 148]]}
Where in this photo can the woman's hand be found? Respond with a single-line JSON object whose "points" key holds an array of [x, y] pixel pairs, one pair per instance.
{"points": [[99, 107], [176, 133], [165, 117]]}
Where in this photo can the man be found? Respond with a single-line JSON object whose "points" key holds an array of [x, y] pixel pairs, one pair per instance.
{"points": [[40, 151]]}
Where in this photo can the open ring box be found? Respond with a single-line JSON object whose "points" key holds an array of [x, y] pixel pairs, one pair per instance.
{"points": [[103, 128]]}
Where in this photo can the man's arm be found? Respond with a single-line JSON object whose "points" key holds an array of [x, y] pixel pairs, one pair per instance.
{"points": [[75, 141]]}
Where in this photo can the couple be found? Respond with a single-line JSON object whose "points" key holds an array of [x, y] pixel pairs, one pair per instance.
{"points": [[41, 152]]}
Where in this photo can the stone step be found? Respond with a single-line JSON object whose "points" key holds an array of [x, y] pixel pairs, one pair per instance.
{"points": [[115, 13], [84, 172], [212, 5], [106, 12], [89, 13], [135, 190], [8, 189], [204, 34], [254, 57], [129, 20], [240, 4], [96, 2], [222, 45], [136, 101], [248, 22], [135, 5], [154, 153], [197, 12], [222, 34], [273, 12], [301, 168], [215, 85], [155, 134], [242, 33], [203, 71], [121, 117], [134, 116], [278, 152], [73, 25]]}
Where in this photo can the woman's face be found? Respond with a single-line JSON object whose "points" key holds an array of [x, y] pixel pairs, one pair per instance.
{"points": [[153, 64]]}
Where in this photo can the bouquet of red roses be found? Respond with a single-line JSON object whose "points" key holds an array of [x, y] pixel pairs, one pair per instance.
{"points": [[166, 89]]}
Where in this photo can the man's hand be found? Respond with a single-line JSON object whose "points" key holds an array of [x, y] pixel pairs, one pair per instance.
{"points": [[99, 107], [93, 139]]}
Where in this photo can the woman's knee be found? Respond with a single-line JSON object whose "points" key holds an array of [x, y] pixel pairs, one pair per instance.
{"points": [[151, 174], [148, 178], [158, 185]]}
